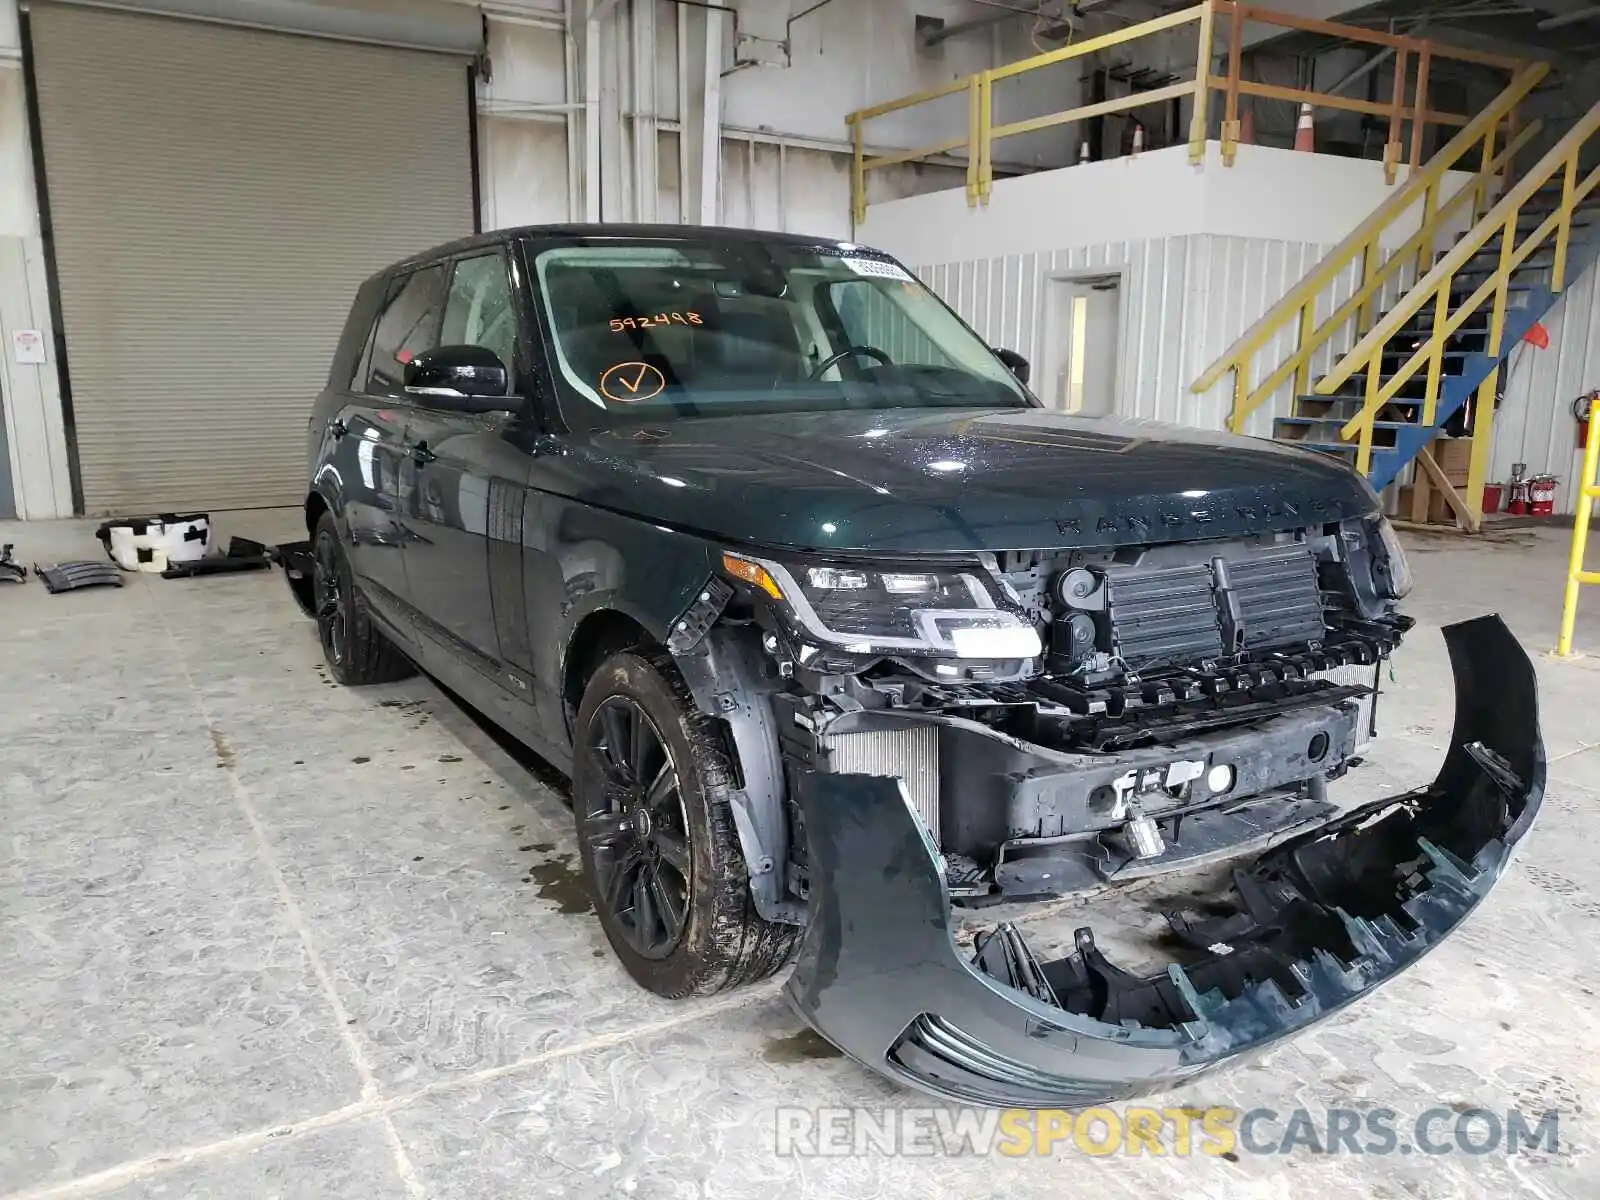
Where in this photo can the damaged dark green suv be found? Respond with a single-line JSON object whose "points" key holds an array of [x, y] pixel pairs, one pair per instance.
{"points": [[843, 638]]}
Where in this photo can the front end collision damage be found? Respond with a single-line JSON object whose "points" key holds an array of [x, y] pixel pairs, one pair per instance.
{"points": [[730, 681], [1321, 919]]}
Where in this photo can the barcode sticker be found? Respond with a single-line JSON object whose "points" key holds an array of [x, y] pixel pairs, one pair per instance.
{"points": [[878, 269]]}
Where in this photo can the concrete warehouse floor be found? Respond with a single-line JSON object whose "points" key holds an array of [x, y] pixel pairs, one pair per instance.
{"points": [[265, 936]]}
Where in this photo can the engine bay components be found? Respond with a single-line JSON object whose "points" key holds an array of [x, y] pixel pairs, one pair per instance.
{"points": [[1197, 604]]}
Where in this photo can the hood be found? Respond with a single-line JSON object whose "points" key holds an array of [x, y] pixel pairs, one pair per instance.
{"points": [[938, 481]]}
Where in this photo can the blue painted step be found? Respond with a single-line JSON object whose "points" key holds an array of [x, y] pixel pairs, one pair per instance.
{"points": [[1466, 364], [1344, 406], [1456, 389]]}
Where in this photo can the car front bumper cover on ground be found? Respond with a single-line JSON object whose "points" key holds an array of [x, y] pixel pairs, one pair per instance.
{"points": [[1322, 919]]}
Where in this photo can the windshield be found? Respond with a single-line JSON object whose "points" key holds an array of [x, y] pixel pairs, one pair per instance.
{"points": [[700, 326]]}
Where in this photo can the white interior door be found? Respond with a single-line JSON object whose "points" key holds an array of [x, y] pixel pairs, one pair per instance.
{"points": [[1085, 315]]}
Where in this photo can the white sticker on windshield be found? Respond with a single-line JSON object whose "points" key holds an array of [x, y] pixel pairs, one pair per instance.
{"points": [[878, 269]]}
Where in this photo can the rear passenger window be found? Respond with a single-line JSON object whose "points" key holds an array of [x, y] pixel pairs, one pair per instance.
{"points": [[408, 326], [478, 311]]}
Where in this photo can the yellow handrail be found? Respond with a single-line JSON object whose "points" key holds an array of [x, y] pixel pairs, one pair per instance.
{"points": [[1588, 492], [1436, 287], [1365, 244], [981, 132]]}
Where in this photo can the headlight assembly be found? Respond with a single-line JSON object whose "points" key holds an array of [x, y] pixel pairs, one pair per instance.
{"points": [[1391, 572], [862, 610]]}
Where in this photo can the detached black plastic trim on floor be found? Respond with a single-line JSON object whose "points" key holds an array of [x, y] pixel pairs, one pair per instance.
{"points": [[70, 576], [1320, 921], [299, 571]]}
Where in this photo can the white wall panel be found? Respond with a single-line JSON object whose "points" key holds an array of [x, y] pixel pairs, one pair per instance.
{"points": [[1534, 424], [1268, 195], [816, 197], [523, 165], [1185, 300], [34, 438], [850, 55], [522, 146], [528, 65], [800, 189], [18, 217]]}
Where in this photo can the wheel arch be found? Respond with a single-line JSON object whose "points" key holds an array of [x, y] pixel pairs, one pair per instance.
{"points": [[316, 504], [724, 677], [595, 638]]}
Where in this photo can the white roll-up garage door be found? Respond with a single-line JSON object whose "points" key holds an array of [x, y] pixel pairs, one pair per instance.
{"points": [[216, 194]]}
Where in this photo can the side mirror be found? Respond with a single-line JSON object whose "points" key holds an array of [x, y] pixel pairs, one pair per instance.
{"points": [[460, 378], [1018, 364]]}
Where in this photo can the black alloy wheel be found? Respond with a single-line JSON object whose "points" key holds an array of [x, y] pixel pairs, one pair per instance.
{"points": [[332, 600], [637, 829], [652, 807], [356, 651]]}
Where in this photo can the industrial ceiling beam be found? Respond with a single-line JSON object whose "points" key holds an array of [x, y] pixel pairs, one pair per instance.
{"points": [[1570, 18], [1497, 43]]}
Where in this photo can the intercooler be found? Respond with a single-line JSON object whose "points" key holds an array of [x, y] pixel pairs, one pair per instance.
{"points": [[1205, 611], [910, 754], [1272, 599], [1163, 614]]}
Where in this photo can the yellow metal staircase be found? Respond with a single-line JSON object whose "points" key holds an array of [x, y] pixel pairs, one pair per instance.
{"points": [[1443, 342]]}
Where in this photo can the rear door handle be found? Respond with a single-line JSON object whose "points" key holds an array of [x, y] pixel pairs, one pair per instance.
{"points": [[421, 455]]}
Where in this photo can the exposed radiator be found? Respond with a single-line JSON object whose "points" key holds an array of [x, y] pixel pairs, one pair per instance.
{"points": [[1364, 676], [910, 754], [1272, 598], [1165, 614]]}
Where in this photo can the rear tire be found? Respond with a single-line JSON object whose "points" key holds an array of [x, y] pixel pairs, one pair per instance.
{"points": [[650, 787], [356, 653]]}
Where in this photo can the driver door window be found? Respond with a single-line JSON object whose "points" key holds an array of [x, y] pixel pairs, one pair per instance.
{"points": [[478, 310], [408, 327]]}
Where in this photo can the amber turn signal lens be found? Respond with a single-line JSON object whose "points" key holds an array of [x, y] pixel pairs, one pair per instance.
{"points": [[750, 572]]}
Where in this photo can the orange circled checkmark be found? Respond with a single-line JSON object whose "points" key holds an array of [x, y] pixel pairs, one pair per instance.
{"points": [[630, 381]]}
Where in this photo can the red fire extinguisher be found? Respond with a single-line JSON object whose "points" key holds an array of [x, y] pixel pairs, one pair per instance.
{"points": [[1542, 495], [1580, 410]]}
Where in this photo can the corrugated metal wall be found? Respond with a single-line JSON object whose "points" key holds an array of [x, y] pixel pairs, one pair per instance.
{"points": [[1534, 424], [1185, 301]]}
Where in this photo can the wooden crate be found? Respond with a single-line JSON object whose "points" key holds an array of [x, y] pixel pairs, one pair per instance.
{"points": [[1454, 456], [1439, 511]]}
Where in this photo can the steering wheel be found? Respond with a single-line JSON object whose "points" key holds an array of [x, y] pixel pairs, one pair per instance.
{"points": [[850, 352]]}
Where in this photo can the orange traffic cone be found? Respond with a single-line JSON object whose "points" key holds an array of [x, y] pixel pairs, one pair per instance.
{"points": [[1247, 128], [1304, 136]]}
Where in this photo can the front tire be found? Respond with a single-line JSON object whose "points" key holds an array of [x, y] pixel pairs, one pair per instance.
{"points": [[650, 784], [356, 653]]}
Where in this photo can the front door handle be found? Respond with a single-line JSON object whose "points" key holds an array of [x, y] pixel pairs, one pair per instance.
{"points": [[421, 455]]}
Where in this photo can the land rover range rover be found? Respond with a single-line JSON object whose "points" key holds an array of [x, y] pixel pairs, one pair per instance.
{"points": [[843, 637]]}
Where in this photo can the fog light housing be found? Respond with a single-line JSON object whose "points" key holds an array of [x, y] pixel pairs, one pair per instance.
{"points": [[1219, 779]]}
